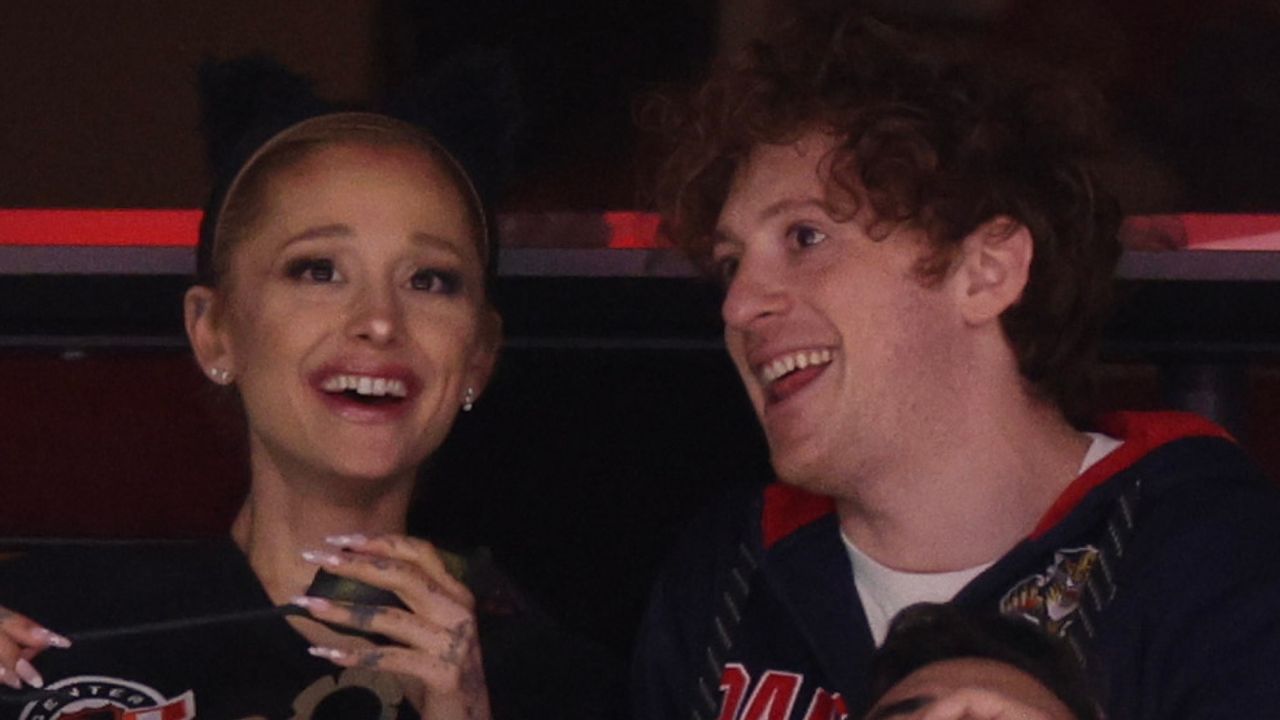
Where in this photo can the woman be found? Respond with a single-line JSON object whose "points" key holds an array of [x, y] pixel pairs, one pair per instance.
{"points": [[342, 295]]}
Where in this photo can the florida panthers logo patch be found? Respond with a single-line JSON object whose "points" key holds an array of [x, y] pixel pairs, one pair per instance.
{"points": [[1051, 599], [103, 698]]}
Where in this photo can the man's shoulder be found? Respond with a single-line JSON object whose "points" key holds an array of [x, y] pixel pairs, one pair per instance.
{"points": [[1162, 457]]}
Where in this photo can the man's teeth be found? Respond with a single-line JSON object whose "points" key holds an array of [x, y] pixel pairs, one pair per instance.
{"points": [[366, 385], [795, 361]]}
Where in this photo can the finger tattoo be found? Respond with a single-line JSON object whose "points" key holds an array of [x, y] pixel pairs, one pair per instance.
{"points": [[472, 679], [371, 659], [362, 615], [459, 641]]}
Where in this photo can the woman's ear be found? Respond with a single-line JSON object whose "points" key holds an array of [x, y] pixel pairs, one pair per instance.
{"points": [[485, 357], [199, 310], [994, 268]]}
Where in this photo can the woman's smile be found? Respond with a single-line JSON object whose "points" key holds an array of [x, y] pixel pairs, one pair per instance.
{"points": [[367, 396], [356, 313]]}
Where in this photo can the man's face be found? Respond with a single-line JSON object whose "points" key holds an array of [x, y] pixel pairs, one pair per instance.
{"points": [[843, 351], [969, 689]]}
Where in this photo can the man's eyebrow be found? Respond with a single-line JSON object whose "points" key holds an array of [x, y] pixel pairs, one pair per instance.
{"points": [[790, 204], [720, 236], [902, 707], [787, 204]]}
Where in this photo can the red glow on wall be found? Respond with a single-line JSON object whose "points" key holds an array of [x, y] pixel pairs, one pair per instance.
{"points": [[626, 230], [102, 228], [634, 230]]}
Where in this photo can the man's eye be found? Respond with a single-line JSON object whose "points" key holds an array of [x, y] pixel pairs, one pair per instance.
{"points": [[316, 270], [436, 281], [806, 236], [725, 269]]}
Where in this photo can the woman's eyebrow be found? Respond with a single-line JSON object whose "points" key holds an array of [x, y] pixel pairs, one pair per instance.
{"points": [[426, 239], [322, 231], [901, 707]]}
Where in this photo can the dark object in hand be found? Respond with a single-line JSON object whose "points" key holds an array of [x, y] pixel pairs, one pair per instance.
{"points": [[335, 587], [342, 589]]}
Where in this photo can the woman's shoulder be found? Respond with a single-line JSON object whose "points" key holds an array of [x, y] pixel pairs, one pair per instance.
{"points": [[80, 583]]}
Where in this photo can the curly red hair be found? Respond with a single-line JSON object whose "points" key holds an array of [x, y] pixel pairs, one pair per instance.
{"points": [[930, 135]]}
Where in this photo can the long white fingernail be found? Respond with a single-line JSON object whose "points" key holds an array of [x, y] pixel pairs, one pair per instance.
{"points": [[354, 540], [311, 603], [29, 674], [327, 653], [321, 557], [10, 679], [52, 638]]}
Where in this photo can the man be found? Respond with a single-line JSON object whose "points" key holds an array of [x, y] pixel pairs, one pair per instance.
{"points": [[916, 265]]}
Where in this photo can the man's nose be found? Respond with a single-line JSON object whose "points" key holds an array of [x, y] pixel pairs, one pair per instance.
{"points": [[755, 292]]}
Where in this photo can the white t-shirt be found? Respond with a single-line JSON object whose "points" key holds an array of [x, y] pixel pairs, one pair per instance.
{"points": [[885, 591]]}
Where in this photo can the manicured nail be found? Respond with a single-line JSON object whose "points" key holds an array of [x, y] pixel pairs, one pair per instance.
{"points": [[29, 674], [321, 557], [311, 603], [327, 653], [346, 541], [10, 679], [52, 639]]}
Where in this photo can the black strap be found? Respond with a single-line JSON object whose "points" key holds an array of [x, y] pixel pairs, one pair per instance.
{"points": [[730, 597], [1100, 587]]}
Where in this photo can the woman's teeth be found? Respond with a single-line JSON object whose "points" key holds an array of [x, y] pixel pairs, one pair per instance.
{"points": [[366, 385], [794, 361]]}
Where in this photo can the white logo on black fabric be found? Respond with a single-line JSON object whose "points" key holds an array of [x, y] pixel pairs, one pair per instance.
{"points": [[91, 697]]}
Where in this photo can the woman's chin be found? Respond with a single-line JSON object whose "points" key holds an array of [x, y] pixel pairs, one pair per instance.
{"points": [[373, 474]]}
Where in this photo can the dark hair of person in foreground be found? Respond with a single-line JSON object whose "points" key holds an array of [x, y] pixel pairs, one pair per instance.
{"points": [[929, 633]]}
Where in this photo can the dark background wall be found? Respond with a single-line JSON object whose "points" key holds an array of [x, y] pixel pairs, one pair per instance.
{"points": [[586, 457], [98, 105]]}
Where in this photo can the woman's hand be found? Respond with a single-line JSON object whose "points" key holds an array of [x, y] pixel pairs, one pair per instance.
{"points": [[439, 646], [21, 639]]}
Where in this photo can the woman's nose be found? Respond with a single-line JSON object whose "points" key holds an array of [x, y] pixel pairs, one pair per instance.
{"points": [[376, 317]]}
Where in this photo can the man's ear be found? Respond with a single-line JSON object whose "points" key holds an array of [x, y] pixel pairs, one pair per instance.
{"points": [[485, 358], [994, 267], [200, 315]]}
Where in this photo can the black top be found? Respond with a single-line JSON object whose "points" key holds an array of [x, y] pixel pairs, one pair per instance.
{"points": [[248, 668]]}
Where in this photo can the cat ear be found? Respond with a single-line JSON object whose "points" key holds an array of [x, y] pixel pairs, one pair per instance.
{"points": [[244, 102], [470, 101]]}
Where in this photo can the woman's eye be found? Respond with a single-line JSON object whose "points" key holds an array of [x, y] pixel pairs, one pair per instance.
{"points": [[316, 270], [436, 281], [806, 236]]}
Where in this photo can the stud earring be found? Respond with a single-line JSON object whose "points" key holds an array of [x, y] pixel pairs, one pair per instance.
{"points": [[222, 376], [469, 400]]}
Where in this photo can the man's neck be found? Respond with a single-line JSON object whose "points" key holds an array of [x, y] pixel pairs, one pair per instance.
{"points": [[967, 500]]}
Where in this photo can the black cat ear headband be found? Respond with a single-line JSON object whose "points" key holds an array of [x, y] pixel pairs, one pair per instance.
{"points": [[336, 127], [465, 111]]}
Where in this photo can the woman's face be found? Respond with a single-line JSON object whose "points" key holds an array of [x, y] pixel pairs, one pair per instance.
{"points": [[353, 316]]}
